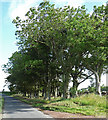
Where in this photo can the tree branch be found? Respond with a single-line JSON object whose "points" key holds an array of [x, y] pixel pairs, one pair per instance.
{"points": [[41, 42], [86, 78]]}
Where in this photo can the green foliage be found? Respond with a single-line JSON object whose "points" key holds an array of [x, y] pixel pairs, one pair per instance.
{"points": [[91, 89], [104, 88], [57, 43]]}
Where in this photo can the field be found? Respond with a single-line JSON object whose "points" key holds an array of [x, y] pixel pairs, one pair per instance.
{"points": [[91, 104]]}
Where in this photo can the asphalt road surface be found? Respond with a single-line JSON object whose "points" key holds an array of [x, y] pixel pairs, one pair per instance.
{"points": [[16, 109]]}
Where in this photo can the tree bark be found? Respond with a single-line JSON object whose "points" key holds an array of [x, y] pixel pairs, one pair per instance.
{"points": [[65, 85], [98, 83], [45, 94], [49, 90], [30, 94], [75, 87], [35, 92], [98, 80], [49, 95], [24, 94], [56, 91]]}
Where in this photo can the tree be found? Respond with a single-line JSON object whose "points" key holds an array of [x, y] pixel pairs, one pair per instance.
{"points": [[97, 59], [61, 43]]}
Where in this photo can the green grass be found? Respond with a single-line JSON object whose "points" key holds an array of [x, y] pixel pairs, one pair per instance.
{"points": [[87, 105], [90, 104], [1, 104], [91, 99]]}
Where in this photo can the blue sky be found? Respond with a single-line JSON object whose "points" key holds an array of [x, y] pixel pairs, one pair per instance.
{"points": [[9, 9]]}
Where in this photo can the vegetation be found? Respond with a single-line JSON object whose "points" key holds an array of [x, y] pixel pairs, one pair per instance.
{"points": [[1, 104], [104, 88], [58, 46], [90, 104]]}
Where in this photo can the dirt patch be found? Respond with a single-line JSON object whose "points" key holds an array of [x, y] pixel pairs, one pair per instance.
{"points": [[64, 114]]}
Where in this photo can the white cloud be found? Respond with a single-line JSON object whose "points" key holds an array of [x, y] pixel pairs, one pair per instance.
{"points": [[95, 0], [75, 3], [2, 78], [20, 7]]}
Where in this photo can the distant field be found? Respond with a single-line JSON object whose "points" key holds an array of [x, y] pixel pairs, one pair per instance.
{"points": [[90, 104]]}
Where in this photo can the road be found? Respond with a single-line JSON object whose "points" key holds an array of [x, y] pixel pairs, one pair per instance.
{"points": [[16, 109]]}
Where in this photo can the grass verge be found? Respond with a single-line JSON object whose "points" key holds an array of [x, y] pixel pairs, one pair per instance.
{"points": [[90, 104], [1, 104]]}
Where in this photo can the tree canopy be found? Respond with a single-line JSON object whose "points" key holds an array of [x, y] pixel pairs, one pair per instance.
{"points": [[58, 46]]}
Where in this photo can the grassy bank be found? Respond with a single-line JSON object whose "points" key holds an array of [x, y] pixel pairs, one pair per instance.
{"points": [[91, 104], [1, 104]]}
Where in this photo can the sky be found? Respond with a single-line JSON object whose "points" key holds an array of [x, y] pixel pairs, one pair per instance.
{"points": [[10, 9]]}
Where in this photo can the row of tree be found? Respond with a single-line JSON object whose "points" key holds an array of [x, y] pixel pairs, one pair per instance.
{"points": [[58, 46]]}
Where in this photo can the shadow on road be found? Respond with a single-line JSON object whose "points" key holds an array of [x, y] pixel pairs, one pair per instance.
{"points": [[14, 108]]}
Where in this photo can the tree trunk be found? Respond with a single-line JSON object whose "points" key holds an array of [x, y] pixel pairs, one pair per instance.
{"points": [[68, 93], [49, 90], [65, 85], [75, 88], [56, 92], [30, 94], [98, 83], [38, 91], [46, 82], [65, 92], [24, 94], [45, 93], [49, 95], [35, 92]]}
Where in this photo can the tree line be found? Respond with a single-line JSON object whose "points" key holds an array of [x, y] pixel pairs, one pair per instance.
{"points": [[57, 46]]}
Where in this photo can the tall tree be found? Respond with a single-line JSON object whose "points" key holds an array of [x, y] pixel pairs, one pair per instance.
{"points": [[98, 57], [60, 43]]}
